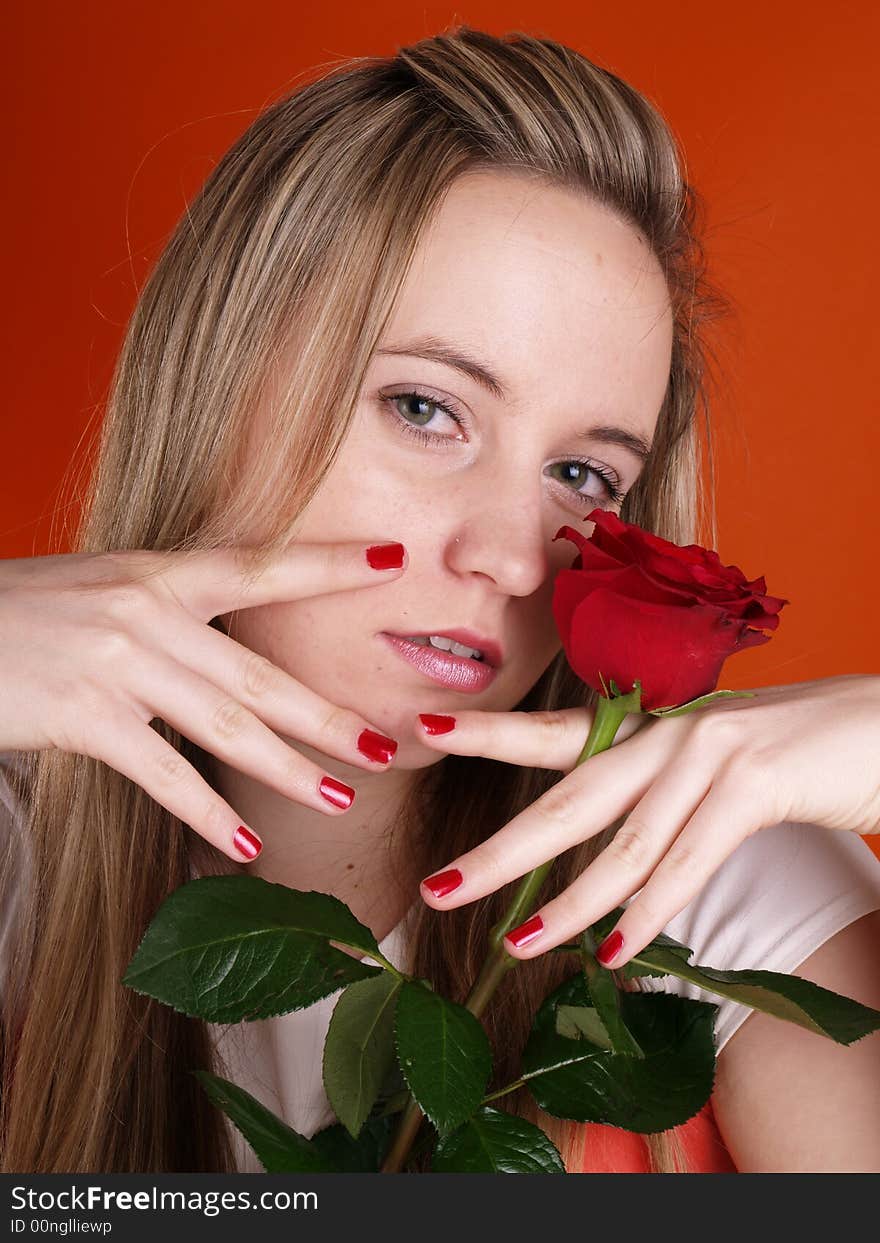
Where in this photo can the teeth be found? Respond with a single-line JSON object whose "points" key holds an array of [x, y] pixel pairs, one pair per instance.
{"points": [[446, 645]]}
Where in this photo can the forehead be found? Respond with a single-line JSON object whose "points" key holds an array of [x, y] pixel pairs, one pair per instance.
{"points": [[547, 284]]}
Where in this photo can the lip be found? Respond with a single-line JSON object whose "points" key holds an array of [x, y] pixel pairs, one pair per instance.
{"points": [[457, 673], [492, 653]]}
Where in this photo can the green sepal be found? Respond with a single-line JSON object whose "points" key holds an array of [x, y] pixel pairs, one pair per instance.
{"points": [[681, 709]]}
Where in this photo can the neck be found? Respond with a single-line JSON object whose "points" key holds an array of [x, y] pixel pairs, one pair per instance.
{"points": [[345, 855]]}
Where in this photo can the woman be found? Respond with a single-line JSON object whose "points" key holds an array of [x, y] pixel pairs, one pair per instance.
{"points": [[452, 299]]}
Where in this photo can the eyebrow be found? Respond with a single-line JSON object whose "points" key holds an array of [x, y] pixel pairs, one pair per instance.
{"points": [[436, 350]]}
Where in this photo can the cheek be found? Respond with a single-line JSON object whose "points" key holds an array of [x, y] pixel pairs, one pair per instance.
{"points": [[302, 638]]}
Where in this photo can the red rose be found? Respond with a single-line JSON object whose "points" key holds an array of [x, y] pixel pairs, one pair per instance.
{"points": [[634, 605]]}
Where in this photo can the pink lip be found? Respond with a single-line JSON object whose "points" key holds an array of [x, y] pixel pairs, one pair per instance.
{"points": [[458, 673], [492, 654]]}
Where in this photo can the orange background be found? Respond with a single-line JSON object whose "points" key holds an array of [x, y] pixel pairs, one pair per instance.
{"points": [[116, 114]]}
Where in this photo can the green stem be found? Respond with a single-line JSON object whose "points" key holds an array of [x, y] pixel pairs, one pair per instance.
{"points": [[606, 722]]}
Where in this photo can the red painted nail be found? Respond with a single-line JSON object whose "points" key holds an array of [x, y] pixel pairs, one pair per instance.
{"points": [[432, 723], [336, 792], [247, 842], [609, 948], [376, 746], [518, 937], [386, 556], [443, 883]]}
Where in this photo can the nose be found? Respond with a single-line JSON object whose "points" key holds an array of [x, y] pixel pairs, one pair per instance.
{"points": [[504, 542]]}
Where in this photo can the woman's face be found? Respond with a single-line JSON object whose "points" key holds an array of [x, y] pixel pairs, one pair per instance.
{"points": [[570, 312]]}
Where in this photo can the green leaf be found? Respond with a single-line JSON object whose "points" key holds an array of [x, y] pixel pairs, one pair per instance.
{"points": [[582, 1022], [786, 997], [363, 1155], [232, 948], [494, 1142], [575, 1079], [605, 995], [280, 1149], [444, 1053], [359, 1048], [681, 709]]}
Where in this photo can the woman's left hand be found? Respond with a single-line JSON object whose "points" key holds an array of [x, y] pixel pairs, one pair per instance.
{"points": [[695, 787]]}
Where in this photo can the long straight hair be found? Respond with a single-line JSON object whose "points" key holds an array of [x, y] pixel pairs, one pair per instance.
{"points": [[277, 284]]}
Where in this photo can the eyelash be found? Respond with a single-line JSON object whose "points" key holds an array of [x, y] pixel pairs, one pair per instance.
{"points": [[611, 482]]}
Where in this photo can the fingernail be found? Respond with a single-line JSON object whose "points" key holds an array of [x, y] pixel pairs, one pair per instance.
{"points": [[247, 842], [610, 948], [376, 746], [386, 556], [336, 792], [443, 883], [518, 937], [432, 723]]}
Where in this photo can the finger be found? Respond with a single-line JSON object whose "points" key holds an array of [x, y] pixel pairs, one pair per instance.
{"points": [[223, 726], [272, 694], [622, 868], [224, 580], [706, 841], [547, 739], [582, 804], [143, 756]]}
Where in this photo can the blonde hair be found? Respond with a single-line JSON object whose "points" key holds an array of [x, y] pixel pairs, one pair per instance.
{"points": [[303, 234]]}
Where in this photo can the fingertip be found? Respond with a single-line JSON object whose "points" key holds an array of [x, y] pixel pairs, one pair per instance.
{"points": [[386, 556], [247, 843]]}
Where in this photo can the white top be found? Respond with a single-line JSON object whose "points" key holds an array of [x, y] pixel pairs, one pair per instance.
{"points": [[782, 893]]}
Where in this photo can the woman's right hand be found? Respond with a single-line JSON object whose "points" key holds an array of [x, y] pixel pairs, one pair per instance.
{"points": [[94, 646]]}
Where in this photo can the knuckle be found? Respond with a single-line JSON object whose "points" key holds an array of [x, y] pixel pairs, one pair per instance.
{"points": [[559, 804], [711, 730], [111, 645], [631, 845], [552, 722], [259, 676], [229, 719], [748, 772], [681, 858], [294, 771], [170, 767], [124, 602], [216, 816], [490, 861], [337, 722]]}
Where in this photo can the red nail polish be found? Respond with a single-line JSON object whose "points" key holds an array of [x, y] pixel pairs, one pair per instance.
{"points": [[443, 883], [386, 556], [518, 937], [432, 723], [376, 746], [336, 792], [247, 842], [609, 948]]}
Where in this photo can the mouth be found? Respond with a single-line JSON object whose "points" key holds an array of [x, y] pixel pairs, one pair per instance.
{"points": [[466, 644], [468, 674]]}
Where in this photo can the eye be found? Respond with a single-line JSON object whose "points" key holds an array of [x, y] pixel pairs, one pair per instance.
{"points": [[573, 471], [401, 407]]}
